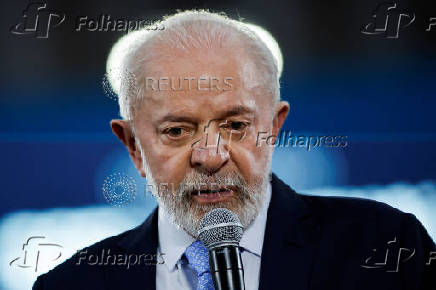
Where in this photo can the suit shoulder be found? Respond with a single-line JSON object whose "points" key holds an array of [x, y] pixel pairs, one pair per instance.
{"points": [[351, 208], [74, 273], [105, 244]]}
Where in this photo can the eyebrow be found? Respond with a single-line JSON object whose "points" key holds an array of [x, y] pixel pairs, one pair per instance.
{"points": [[234, 111], [174, 118], [237, 110]]}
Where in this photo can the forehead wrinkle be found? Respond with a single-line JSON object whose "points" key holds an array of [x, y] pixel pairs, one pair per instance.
{"points": [[244, 73], [188, 115], [193, 106]]}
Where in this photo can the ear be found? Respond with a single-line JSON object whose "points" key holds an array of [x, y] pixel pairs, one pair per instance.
{"points": [[280, 114], [124, 132]]}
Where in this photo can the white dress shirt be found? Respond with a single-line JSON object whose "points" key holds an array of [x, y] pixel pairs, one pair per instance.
{"points": [[175, 272]]}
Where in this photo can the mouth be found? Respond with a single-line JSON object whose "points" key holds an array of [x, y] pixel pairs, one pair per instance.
{"points": [[213, 195]]}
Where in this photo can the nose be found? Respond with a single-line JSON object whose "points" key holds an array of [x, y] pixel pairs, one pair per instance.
{"points": [[210, 158]]}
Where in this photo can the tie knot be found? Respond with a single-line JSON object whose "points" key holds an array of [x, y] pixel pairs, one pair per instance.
{"points": [[198, 257]]}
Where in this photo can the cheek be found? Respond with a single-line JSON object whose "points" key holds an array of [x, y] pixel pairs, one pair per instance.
{"points": [[250, 159], [168, 165]]}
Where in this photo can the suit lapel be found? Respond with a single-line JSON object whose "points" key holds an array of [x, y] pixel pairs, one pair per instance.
{"points": [[142, 240], [291, 238]]}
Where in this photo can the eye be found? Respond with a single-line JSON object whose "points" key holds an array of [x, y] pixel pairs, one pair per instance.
{"points": [[174, 132], [237, 125]]}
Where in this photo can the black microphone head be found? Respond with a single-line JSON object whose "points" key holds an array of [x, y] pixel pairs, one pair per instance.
{"points": [[219, 227]]}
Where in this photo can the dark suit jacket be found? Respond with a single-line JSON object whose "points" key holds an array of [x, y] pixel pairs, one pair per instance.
{"points": [[310, 243]]}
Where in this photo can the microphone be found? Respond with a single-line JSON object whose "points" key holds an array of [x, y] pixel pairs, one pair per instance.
{"points": [[220, 231]]}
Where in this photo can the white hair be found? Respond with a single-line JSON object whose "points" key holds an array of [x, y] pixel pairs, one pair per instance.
{"points": [[135, 52]]}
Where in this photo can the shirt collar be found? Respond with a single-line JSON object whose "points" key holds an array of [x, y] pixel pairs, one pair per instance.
{"points": [[173, 240]]}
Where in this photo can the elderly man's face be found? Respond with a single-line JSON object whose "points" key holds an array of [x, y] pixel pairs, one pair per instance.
{"points": [[197, 128]]}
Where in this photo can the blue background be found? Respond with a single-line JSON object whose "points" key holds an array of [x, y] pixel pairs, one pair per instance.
{"points": [[57, 147]]}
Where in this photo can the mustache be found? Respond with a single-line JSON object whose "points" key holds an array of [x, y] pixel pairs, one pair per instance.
{"points": [[196, 181]]}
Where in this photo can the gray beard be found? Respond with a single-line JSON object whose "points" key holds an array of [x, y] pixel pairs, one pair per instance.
{"points": [[186, 213]]}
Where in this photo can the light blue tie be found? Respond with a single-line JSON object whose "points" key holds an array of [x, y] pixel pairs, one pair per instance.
{"points": [[198, 257]]}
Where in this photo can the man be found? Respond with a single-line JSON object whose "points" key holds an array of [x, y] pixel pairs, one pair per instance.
{"points": [[194, 98]]}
